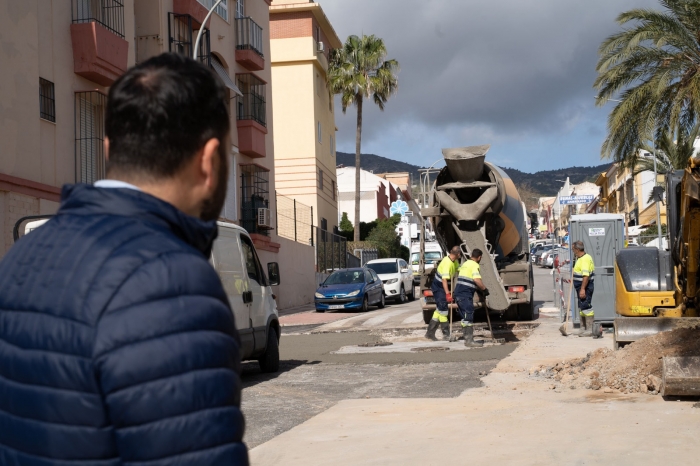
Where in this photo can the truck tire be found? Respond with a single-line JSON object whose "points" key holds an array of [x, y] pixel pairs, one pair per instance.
{"points": [[427, 316], [526, 311], [270, 360]]}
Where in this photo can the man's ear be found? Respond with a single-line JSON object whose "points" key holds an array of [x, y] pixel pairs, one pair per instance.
{"points": [[106, 147], [210, 163]]}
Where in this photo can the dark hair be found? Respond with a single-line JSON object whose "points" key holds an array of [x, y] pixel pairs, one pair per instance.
{"points": [[161, 112], [476, 253]]}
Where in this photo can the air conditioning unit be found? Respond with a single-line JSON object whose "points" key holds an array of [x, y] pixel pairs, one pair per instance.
{"points": [[321, 47], [264, 218]]}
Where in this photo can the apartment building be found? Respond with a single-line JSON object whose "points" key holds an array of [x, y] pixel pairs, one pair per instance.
{"points": [[58, 64], [300, 44]]}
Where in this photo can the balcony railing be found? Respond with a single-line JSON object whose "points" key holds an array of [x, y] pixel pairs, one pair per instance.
{"points": [[182, 37], [108, 13], [251, 105], [255, 194], [250, 36]]}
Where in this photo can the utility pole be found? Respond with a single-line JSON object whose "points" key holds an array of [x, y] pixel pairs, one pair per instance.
{"points": [[201, 29]]}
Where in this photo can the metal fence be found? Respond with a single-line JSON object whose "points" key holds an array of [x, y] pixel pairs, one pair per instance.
{"points": [[331, 251], [643, 240], [108, 13], [294, 220]]}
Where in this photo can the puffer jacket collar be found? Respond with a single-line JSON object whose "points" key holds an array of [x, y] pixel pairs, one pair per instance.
{"points": [[83, 199]]}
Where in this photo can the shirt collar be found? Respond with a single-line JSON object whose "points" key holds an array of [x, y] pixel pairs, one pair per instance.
{"points": [[115, 184]]}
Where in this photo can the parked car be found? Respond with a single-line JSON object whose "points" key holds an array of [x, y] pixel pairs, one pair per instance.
{"points": [[249, 294], [544, 257], [536, 257], [396, 278], [355, 288], [549, 263]]}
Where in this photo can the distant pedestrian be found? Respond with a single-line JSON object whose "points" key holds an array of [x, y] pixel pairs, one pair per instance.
{"points": [[442, 294], [117, 341], [584, 275], [469, 282]]}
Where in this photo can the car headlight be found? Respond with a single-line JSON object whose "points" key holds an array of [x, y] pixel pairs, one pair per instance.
{"points": [[319, 295], [354, 293], [392, 281]]}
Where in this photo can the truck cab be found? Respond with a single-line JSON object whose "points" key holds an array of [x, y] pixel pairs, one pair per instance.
{"points": [[433, 254]]}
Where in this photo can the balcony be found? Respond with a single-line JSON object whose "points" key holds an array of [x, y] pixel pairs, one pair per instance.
{"points": [[182, 33], [251, 116], [191, 8], [100, 52], [249, 45]]}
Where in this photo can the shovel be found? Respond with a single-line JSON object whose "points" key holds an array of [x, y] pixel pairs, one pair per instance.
{"points": [[567, 327]]}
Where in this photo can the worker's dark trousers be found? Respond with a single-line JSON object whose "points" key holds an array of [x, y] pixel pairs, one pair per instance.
{"points": [[584, 304], [440, 298], [464, 296]]}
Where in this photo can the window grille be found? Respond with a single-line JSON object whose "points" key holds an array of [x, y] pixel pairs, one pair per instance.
{"points": [[221, 9], [251, 105], [182, 37], [89, 136], [47, 100], [255, 194], [249, 36], [108, 13]]}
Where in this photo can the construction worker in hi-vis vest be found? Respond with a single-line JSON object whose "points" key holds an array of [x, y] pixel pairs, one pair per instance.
{"points": [[468, 283], [583, 283], [441, 292]]}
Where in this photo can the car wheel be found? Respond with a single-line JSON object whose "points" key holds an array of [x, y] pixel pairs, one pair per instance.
{"points": [[365, 304], [382, 303], [412, 296], [401, 298], [270, 361]]}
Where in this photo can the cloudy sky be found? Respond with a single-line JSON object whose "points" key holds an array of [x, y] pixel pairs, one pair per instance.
{"points": [[516, 74]]}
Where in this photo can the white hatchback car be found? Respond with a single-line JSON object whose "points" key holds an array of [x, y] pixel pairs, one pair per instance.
{"points": [[396, 277]]}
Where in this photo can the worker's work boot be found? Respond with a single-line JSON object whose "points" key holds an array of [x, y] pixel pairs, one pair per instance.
{"points": [[445, 327], [589, 325], [582, 326], [432, 327], [469, 338]]}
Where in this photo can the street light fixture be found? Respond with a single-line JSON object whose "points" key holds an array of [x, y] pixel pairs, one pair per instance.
{"points": [[201, 29]]}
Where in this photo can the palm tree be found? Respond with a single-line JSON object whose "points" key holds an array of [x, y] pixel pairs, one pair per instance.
{"points": [[653, 66], [357, 71], [671, 153]]}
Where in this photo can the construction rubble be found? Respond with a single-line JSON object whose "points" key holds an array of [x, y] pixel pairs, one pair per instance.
{"points": [[635, 368]]}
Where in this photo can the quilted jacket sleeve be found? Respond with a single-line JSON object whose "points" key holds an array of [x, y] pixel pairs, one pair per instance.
{"points": [[167, 362]]}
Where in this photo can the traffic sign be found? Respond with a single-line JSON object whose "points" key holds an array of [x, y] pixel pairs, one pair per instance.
{"points": [[584, 199]]}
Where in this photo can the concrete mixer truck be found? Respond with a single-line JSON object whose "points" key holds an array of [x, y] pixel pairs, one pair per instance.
{"points": [[475, 205]]}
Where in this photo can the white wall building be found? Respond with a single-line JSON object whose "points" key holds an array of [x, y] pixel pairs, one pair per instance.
{"points": [[375, 195]]}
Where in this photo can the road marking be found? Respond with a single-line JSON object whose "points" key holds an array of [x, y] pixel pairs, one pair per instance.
{"points": [[375, 321], [414, 319]]}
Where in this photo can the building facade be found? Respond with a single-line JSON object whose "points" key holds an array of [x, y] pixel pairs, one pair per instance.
{"points": [[376, 195], [60, 62], [301, 40]]}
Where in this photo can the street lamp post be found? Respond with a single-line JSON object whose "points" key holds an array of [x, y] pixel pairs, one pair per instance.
{"points": [[201, 29]]}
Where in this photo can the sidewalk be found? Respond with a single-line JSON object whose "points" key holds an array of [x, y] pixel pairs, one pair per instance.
{"points": [[512, 419]]}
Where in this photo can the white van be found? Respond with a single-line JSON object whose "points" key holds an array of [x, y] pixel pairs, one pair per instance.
{"points": [[433, 254], [246, 284], [249, 293]]}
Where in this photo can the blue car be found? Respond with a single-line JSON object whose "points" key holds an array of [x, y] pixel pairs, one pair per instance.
{"points": [[356, 288]]}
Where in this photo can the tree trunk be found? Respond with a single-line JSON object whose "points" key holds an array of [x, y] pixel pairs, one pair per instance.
{"points": [[358, 141]]}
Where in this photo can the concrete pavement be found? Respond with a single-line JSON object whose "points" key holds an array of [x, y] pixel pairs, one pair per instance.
{"points": [[512, 419]]}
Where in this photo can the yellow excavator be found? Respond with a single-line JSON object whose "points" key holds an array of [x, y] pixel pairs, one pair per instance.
{"points": [[658, 290]]}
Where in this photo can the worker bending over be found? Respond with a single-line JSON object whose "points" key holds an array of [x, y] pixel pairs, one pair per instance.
{"points": [[441, 292], [583, 283], [469, 282]]}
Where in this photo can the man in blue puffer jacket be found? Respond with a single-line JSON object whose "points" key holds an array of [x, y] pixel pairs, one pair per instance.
{"points": [[117, 342]]}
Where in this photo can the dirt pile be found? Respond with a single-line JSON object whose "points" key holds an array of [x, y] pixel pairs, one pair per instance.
{"points": [[636, 368]]}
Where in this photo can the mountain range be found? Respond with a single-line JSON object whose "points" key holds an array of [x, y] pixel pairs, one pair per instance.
{"points": [[531, 185]]}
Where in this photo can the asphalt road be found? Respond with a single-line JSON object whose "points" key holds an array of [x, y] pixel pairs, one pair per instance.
{"points": [[313, 377]]}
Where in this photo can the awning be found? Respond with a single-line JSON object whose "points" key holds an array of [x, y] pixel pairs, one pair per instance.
{"points": [[224, 76]]}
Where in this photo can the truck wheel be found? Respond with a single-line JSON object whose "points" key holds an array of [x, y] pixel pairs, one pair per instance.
{"points": [[270, 361], [526, 311], [427, 316]]}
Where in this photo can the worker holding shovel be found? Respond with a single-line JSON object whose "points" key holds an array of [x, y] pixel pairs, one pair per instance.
{"points": [[469, 282], [583, 282]]}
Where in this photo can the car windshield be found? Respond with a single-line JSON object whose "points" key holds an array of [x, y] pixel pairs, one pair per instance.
{"points": [[384, 267], [430, 257], [346, 277]]}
